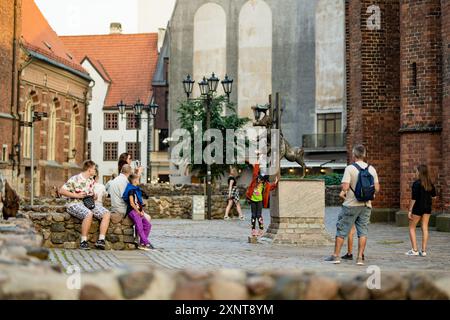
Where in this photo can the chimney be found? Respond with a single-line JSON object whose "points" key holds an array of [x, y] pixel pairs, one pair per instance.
{"points": [[115, 28], [161, 35]]}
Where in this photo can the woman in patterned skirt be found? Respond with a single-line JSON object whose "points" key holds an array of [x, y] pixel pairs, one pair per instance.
{"points": [[233, 198]]}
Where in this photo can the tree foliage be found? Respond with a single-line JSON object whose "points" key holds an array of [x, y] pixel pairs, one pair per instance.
{"points": [[192, 111]]}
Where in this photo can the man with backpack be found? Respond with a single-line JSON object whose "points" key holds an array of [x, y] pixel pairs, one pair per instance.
{"points": [[359, 185]]}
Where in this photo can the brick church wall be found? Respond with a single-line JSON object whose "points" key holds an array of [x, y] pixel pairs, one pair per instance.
{"points": [[421, 92], [373, 85]]}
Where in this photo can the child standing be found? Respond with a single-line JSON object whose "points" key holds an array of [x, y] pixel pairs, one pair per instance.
{"points": [[420, 209], [258, 194], [135, 210]]}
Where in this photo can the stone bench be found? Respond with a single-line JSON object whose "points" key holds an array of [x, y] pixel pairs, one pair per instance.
{"points": [[61, 230]]}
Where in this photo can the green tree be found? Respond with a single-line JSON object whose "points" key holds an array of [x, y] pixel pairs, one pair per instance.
{"points": [[192, 111]]}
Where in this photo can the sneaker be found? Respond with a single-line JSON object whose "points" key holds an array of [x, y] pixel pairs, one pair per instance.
{"points": [[226, 218], [242, 218], [254, 233], [360, 261], [84, 245], [347, 256], [412, 253], [150, 246], [423, 253], [100, 244], [143, 247], [333, 259]]}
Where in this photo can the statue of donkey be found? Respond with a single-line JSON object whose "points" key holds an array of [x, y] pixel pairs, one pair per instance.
{"points": [[292, 154]]}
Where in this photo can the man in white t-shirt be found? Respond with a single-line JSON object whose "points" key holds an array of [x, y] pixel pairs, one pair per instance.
{"points": [[354, 212], [116, 187]]}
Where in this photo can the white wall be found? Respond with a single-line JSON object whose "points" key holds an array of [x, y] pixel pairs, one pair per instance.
{"points": [[97, 136], [210, 41], [255, 56]]}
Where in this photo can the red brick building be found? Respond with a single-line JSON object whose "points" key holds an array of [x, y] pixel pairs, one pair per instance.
{"points": [[398, 93], [9, 38], [46, 79]]}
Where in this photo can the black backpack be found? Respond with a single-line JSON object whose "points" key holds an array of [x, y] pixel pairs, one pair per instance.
{"points": [[365, 186]]}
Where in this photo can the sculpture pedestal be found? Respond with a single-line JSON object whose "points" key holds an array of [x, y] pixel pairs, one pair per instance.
{"points": [[297, 210]]}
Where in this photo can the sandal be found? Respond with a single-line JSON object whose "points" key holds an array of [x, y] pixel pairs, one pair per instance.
{"points": [[226, 218], [242, 218]]}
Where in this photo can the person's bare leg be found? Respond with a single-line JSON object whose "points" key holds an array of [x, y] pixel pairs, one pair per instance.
{"points": [[105, 223], [338, 246], [350, 240], [86, 225], [227, 210], [361, 246], [239, 209], [425, 221], [412, 231]]}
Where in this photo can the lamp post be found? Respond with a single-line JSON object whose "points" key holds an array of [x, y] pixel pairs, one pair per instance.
{"points": [[208, 87], [152, 110]]}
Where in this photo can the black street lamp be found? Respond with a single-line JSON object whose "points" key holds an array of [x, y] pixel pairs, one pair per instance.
{"points": [[151, 110], [208, 87]]}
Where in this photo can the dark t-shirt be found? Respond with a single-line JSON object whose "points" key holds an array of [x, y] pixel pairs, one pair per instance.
{"points": [[423, 198], [136, 201]]}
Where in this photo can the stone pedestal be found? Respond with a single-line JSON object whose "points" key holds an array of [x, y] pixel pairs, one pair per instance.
{"points": [[297, 213], [198, 208]]}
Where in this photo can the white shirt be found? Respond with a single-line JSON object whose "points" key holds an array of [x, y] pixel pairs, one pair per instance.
{"points": [[351, 176], [100, 192], [116, 188]]}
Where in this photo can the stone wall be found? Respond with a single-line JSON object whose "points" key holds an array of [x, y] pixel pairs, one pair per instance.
{"points": [[61, 230], [332, 198]]}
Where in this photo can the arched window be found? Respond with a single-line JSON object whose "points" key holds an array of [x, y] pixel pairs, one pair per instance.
{"points": [[210, 43], [255, 55], [51, 133], [27, 117], [330, 55]]}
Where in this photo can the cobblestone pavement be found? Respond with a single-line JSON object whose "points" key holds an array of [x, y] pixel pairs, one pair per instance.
{"points": [[214, 244]]}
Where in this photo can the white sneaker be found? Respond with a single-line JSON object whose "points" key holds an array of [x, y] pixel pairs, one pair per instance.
{"points": [[423, 253], [412, 253]]}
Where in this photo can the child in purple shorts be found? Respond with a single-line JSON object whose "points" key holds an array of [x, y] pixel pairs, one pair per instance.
{"points": [[135, 210]]}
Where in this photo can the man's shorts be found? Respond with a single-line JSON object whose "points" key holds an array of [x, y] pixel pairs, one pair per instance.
{"points": [[359, 216], [78, 210]]}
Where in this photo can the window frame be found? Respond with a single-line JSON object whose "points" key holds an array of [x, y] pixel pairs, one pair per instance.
{"points": [[116, 144]]}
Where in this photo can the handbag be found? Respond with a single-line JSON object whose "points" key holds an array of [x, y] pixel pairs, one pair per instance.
{"points": [[89, 202]]}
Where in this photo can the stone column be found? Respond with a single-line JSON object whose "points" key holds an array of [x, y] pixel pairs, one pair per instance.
{"points": [[297, 213]]}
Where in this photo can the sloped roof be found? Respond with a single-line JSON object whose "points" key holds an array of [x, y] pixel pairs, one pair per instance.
{"points": [[128, 61], [41, 39]]}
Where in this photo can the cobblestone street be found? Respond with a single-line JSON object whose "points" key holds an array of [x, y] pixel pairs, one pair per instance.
{"points": [[223, 244]]}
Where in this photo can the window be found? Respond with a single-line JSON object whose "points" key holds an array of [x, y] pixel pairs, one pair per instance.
{"points": [[89, 121], [51, 133], [110, 151], [166, 106], [111, 121], [163, 134], [88, 151], [131, 121], [134, 150], [4, 152], [329, 130], [329, 123]]}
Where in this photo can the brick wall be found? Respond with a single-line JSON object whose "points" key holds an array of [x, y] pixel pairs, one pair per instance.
{"points": [[445, 180], [421, 91], [373, 102], [6, 75]]}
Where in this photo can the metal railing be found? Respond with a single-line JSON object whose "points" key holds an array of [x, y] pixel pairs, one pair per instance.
{"points": [[324, 140]]}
